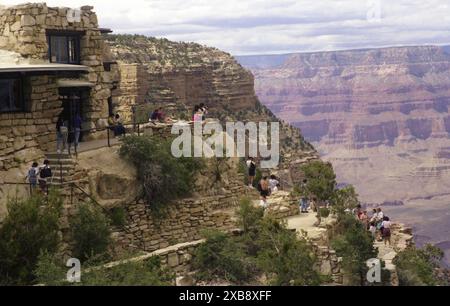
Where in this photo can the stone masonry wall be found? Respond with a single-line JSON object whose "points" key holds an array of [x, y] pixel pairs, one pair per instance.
{"points": [[184, 221], [23, 136], [23, 30]]}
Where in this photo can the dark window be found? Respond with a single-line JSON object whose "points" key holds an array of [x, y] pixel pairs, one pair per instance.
{"points": [[64, 49], [11, 96]]}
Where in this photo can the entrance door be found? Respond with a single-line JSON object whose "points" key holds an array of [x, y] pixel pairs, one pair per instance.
{"points": [[72, 102]]}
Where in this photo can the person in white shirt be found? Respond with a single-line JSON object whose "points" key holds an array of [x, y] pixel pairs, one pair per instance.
{"points": [[380, 215], [273, 184]]}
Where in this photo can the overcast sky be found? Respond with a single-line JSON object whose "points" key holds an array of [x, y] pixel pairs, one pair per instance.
{"points": [[277, 26]]}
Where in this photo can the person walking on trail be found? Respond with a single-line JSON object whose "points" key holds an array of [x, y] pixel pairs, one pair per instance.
{"points": [[264, 190], [62, 134], [251, 165], [304, 205], [32, 176], [386, 230], [45, 173]]}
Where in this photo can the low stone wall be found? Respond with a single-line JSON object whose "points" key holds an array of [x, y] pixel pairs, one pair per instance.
{"points": [[185, 220], [329, 263]]}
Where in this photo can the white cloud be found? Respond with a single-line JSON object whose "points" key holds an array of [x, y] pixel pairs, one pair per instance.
{"points": [[267, 26]]}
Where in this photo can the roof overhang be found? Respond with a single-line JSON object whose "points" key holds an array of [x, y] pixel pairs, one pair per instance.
{"points": [[105, 30], [28, 68]]}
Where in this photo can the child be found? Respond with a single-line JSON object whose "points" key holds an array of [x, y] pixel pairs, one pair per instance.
{"points": [[45, 172], [373, 229], [32, 176]]}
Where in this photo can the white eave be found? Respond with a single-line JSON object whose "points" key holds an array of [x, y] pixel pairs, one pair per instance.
{"points": [[8, 68]]}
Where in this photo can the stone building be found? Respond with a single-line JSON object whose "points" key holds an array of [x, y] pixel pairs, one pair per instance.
{"points": [[53, 62]]}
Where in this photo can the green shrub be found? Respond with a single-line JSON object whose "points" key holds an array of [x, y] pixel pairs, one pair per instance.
{"points": [[324, 213], [30, 228], [164, 177], [51, 272], [248, 215], [284, 258], [321, 180], [345, 198], [416, 267], [222, 257], [90, 232], [118, 216], [146, 273], [355, 244], [266, 247]]}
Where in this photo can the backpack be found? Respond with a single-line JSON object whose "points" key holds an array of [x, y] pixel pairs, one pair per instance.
{"points": [[259, 187], [32, 175], [46, 172], [64, 130]]}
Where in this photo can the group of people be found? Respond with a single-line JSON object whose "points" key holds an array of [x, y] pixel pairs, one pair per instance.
{"points": [[378, 223], [158, 115], [115, 124], [266, 187], [68, 133], [39, 175], [200, 113]]}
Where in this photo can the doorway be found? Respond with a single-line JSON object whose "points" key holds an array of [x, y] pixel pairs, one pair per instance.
{"points": [[73, 102]]}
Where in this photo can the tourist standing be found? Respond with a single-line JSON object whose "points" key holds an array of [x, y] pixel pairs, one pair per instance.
{"points": [[32, 176], [77, 123], [264, 191], [304, 205], [386, 230], [204, 110], [379, 220], [62, 134], [251, 166], [198, 117], [364, 218], [45, 173]]}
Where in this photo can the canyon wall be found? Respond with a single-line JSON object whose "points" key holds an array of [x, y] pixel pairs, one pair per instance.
{"points": [[380, 116]]}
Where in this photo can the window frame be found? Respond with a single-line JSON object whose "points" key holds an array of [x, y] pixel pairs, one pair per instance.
{"points": [[22, 101], [67, 35]]}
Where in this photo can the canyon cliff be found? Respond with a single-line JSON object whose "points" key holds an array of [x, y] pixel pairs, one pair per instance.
{"points": [[380, 116]]}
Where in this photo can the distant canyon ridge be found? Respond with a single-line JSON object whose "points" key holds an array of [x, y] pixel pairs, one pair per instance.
{"points": [[380, 116]]}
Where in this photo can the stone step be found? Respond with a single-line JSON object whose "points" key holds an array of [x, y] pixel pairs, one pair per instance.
{"points": [[54, 155]]}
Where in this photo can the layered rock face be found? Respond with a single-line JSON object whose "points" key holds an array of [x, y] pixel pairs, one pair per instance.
{"points": [[177, 76], [380, 116]]}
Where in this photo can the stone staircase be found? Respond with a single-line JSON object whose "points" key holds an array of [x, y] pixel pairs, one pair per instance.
{"points": [[63, 167]]}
